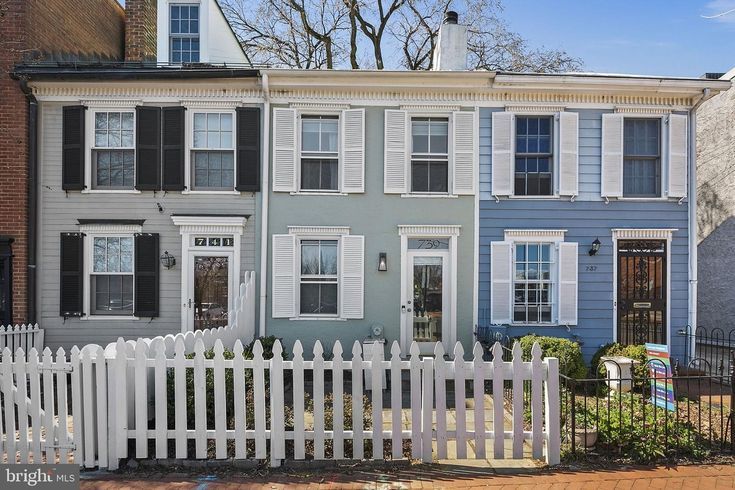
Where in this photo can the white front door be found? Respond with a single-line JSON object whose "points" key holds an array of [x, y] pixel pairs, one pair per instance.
{"points": [[210, 289], [426, 313]]}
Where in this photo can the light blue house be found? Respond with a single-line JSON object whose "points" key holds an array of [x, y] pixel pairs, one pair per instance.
{"points": [[587, 208]]}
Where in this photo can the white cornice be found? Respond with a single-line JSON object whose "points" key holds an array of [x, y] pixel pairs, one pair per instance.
{"points": [[191, 91], [430, 108], [108, 228], [553, 235], [213, 104], [319, 230], [317, 106], [535, 109], [210, 224], [643, 233], [642, 110], [111, 102], [429, 230]]}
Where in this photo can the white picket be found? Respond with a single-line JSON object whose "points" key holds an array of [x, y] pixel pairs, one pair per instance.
{"points": [[180, 408], [9, 408], [553, 436], [517, 401], [259, 386], [478, 390], [396, 402], [298, 400], [415, 379], [238, 380], [161, 402], [278, 434], [62, 407], [427, 410], [35, 382], [537, 442], [200, 401], [141, 399], [460, 414], [498, 419], [76, 408], [220, 420], [100, 367], [338, 423], [357, 425], [440, 386], [22, 394], [376, 378], [318, 396]]}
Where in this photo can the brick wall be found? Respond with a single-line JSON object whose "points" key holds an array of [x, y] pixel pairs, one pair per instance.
{"points": [[30, 28], [140, 34]]}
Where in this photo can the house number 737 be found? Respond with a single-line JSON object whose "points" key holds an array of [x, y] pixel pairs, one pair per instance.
{"points": [[591, 268]]}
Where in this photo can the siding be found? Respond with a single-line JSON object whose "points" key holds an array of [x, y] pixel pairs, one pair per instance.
{"points": [[58, 212]]}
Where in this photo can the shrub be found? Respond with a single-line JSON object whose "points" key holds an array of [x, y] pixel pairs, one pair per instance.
{"points": [[571, 362], [635, 352]]}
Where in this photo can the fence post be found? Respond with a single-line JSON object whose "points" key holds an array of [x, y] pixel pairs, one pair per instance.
{"points": [[553, 436], [278, 436], [732, 400], [427, 410]]}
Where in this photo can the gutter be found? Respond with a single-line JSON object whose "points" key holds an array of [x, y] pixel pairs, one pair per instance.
{"points": [[121, 72], [32, 218], [265, 190]]}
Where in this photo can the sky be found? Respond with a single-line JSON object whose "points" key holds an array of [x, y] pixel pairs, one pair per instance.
{"points": [[647, 37]]}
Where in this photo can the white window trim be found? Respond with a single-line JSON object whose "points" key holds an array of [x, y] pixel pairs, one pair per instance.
{"points": [[189, 147], [163, 29], [439, 113], [554, 237], [417, 231], [555, 144], [91, 231], [297, 278], [665, 234], [319, 110], [205, 226], [663, 154], [92, 108]]}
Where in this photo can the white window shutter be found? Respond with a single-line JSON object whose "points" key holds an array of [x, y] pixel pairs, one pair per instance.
{"points": [[284, 276], [502, 153], [463, 150], [353, 150], [612, 155], [568, 153], [568, 260], [678, 158], [396, 152], [284, 150], [501, 287], [351, 280]]}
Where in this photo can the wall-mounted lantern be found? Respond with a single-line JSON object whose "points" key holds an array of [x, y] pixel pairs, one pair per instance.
{"points": [[168, 260], [595, 247], [382, 262]]}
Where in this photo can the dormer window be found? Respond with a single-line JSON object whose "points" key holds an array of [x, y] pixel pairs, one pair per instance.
{"points": [[184, 33]]}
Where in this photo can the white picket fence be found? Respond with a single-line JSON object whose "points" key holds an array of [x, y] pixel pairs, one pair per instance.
{"points": [[264, 415], [21, 337]]}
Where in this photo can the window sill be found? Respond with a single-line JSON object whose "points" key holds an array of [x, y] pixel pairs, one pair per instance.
{"points": [[110, 191], [223, 193], [316, 193], [431, 196], [553, 324], [318, 318], [643, 199], [108, 317], [545, 198]]}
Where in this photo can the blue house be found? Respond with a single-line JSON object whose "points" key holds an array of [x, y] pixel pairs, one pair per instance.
{"points": [[587, 208]]}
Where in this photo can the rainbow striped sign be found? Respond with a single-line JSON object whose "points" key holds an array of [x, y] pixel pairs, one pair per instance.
{"points": [[662, 384]]}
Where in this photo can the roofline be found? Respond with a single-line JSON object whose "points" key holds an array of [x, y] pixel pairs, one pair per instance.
{"points": [[119, 71]]}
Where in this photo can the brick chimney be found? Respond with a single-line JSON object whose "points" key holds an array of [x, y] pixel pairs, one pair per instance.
{"points": [[140, 30]]}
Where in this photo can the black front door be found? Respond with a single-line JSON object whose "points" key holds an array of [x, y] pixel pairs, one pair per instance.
{"points": [[642, 291], [6, 281]]}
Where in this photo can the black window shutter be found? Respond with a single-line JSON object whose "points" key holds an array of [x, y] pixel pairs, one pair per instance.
{"points": [[172, 121], [146, 275], [72, 274], [72, 152], [148, 148], [248, 149]]}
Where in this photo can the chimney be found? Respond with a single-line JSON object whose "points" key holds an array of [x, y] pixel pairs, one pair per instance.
{"points": [[140, 30], [450, 52]]}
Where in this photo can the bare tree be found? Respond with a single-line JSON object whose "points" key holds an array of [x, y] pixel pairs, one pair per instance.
{"points": [[374, 30]]}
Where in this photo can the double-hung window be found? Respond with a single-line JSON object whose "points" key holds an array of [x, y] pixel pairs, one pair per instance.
{"points": [[113, 153], [213, 153], [429, 155], [319, 278], [319, 153], [533, 283], [534, 158], [642, 157], [111, 277], [184, 33]]}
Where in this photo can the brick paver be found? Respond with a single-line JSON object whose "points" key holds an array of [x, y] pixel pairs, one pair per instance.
{"points": [[703, 477]]}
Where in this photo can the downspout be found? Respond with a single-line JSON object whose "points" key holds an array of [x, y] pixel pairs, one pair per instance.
{"points": [[265, 190], [693, 276], [32, 218]]}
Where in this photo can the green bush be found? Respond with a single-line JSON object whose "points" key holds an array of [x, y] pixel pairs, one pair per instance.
{"points": [[635, 352], [571, 362]]}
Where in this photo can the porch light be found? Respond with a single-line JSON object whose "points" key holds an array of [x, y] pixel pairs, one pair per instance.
{"points": [[595, 247], [382, 262], [168, 260]]}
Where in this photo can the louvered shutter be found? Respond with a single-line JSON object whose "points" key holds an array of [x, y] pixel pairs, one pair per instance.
{"points": [[72, 149], [148, 148], [71, 285], [284, 150], [463, 152], [568, 153], [501, 279], [568, 260], [146, 275], [502, 153], [248, 149], [353, 150], [395, 180], [678, 157], [172, 148], [351, 280], [283, 296], [612, 155]]}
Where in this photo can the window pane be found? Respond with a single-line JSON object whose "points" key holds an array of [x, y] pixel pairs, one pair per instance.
{"points": [[100, 254], [328, 257], [309, 300], [226, 122], [328, 299], [438, 177], [310, 174], [213, 122], [420, 176], [100, 120], [113, 254], [328, 179], [310, 257], [329, 135], [439, 131], [126, 254], [420, 136], [113, 120], [310, 134], [200, 121]]}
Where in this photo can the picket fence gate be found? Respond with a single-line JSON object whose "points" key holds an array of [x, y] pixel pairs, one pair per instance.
{"points": [[95, 410], [21, 337]]}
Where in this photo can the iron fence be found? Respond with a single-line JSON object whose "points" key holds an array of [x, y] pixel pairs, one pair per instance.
{"points": [[709, 351]]}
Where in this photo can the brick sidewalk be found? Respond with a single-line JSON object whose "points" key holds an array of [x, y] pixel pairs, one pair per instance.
{"points": [[439, 476]]}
